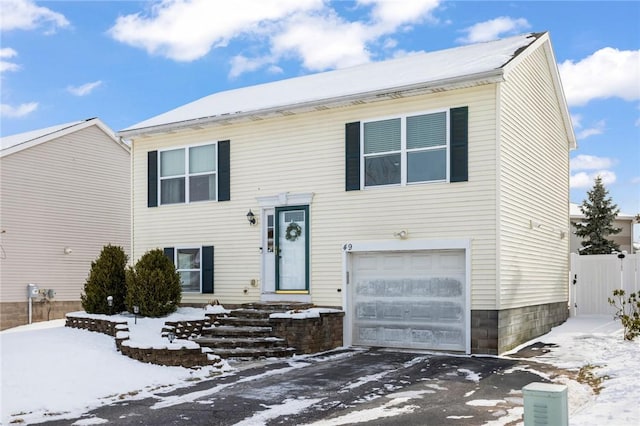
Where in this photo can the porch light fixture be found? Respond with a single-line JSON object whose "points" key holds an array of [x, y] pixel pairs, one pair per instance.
{"points": [[67, 250], [251, 218]]}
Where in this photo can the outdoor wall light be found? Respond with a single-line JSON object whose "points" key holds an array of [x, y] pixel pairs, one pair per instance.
{"points": [[67, 250], [402, 234], [251, 218]]}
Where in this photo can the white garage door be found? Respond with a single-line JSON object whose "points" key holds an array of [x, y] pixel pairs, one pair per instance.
{"points": [[409, 299]]}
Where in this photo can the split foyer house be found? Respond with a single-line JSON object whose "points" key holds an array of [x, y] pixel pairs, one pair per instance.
{"points": [[404, 192], [65, 193]]}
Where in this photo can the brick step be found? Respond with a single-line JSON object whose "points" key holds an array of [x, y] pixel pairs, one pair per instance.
{"points": [[240, 342], [236, 331], [253, 352], [244, 321]]}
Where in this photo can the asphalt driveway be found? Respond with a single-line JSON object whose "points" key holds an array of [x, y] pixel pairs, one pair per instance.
{"points": [[372, 387]]}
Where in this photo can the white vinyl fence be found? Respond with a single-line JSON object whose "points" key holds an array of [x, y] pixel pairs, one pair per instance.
{"points": [[594, 277]]}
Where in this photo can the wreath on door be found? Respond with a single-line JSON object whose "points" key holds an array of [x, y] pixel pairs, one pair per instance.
{"points": [[293, 231]]}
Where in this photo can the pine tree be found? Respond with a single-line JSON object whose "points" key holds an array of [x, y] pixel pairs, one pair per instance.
{"points": [[106, 278], [599, 212], [153, 285]]}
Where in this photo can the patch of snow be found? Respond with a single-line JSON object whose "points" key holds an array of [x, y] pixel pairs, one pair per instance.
{"points": [[485, 402], [288, 406], [304, 314]]}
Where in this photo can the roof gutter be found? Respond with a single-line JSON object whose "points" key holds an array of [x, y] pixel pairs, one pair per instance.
{"points": [[487, 77]]}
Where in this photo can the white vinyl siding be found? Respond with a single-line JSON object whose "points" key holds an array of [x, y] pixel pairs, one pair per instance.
{"points": [[72, 192], [304, 153], [534, 186]]}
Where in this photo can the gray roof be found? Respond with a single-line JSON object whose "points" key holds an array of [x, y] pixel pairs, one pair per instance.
{"points": [[15, 143], [481, 63]]}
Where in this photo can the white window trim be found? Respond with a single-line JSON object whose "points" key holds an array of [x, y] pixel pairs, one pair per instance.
{"points": [[175, 262], [404, 150], [186, 174]]}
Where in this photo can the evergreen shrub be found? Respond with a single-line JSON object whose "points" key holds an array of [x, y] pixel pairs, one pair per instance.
{"points": [[106, 278], [153, 285]]}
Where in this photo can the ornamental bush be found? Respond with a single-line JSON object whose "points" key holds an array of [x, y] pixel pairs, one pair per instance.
{"points": [[628, 312], [153, 285], [106, 278]]}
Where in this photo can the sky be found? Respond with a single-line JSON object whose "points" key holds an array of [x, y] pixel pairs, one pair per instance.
{"points": [[127, 61], [88, 372]]}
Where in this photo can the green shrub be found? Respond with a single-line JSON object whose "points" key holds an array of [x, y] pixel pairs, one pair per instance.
{"points": [[628, 312], [153, 285], [106, 278]]}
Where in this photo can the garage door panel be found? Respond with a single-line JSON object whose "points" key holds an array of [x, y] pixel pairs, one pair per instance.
{"points": [[419, 337], [408, 311], [411, 299]]}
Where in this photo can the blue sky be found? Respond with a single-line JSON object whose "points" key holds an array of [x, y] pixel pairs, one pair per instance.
{"points": [[126, 61]]}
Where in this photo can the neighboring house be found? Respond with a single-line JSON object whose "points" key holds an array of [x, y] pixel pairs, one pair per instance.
{"points": [[623, 221], [65, 193], [404, 192]]}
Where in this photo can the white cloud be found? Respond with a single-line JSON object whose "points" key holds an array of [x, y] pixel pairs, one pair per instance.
{"points": [[8, 52], [494, 29], [586, 180], [388, 15], [84, 89], [186, 30], [596, 129], [21, 110], [26, 15], [323, 42], [590, 162], [605, 74]]}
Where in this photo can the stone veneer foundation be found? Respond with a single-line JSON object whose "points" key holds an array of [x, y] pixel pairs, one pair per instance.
{"points": [[13, 314], [494, 332]]}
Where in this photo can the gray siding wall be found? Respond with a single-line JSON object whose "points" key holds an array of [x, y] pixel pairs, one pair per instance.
{"points": [[73, 192]]}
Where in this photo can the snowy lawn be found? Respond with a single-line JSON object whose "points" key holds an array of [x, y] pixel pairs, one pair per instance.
{"points": [[50, 371]]}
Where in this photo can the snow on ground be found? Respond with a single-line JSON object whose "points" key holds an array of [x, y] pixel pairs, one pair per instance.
{"points": [[50, 369]]}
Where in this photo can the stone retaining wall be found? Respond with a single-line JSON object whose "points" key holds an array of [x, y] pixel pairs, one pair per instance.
{"points": [[103, 326], [185, 357], [310, 335]]}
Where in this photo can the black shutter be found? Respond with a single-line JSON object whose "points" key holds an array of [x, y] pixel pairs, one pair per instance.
{"points": [[152, 179], [224, 171], [459, 144], [169, 252], [207, 269], [352, 156]]}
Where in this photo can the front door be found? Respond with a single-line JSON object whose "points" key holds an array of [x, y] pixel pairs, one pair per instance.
{"points": [[292, 249]]}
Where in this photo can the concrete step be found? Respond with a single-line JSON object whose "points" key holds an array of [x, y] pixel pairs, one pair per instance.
{"points": [[252, 353], [240, 342], [244, 321], [277, 306], [236, 331]]}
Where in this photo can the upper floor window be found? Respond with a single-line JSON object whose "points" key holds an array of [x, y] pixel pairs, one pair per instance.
{"points": [[406, 149], [188, 174]]}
